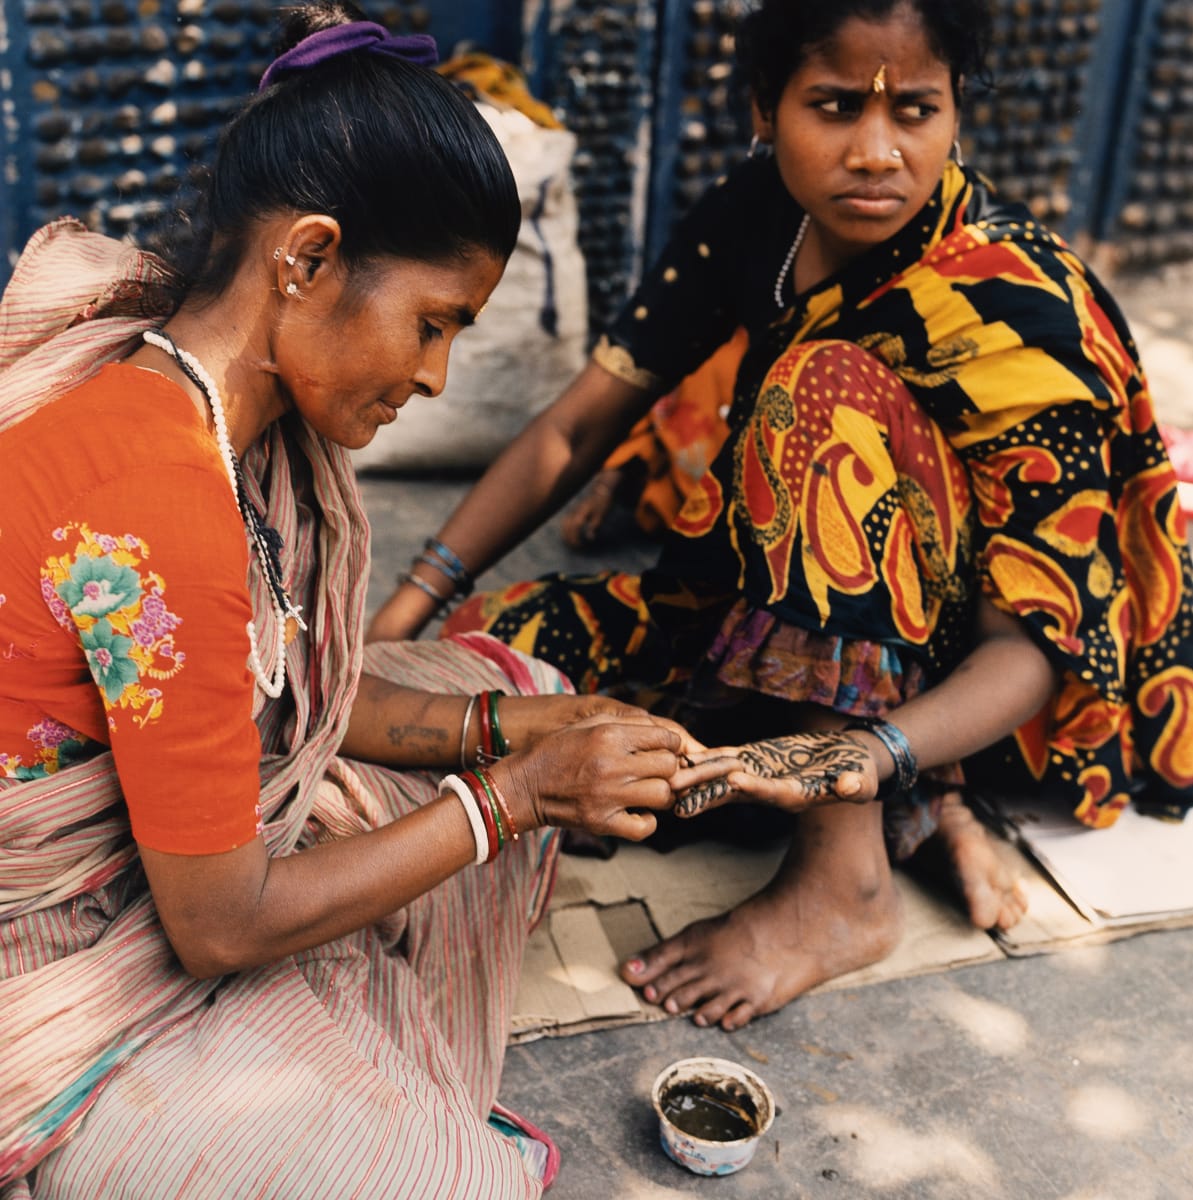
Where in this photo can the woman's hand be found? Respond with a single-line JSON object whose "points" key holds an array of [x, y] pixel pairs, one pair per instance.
{"points": [[581, 524], [527, 720], [607, 774], [791, 773], [402, 617]]}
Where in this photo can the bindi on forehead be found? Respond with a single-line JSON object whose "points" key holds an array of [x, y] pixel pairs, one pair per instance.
{"points": [[878, 83]]}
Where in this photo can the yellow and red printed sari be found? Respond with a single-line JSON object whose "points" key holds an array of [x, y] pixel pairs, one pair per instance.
{"points": [[996, 433]]}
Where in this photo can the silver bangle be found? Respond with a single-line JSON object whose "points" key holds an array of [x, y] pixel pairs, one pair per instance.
{"points": [[464, 732], [424, 586]]}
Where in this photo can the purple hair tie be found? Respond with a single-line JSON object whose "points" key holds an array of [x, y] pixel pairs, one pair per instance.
{"points": [[418, 48]]}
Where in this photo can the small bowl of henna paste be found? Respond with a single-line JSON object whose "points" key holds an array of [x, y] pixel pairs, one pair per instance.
{"points": [[712, 1114]]}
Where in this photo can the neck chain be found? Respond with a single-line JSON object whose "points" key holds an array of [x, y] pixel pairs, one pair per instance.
{"points": [[266, 540], [796, 243]]}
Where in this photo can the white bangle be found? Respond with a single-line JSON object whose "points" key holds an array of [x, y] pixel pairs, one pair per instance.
{"points": [[455, 784]]}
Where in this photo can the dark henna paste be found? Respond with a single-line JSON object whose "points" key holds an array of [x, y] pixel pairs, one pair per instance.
{"points": [[815, 760]]}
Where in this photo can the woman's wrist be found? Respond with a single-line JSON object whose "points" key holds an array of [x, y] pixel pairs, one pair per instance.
{"points": [[433, 595], [413, 604], [521, 798], [895, 760], [884, 764], [438, 573]]}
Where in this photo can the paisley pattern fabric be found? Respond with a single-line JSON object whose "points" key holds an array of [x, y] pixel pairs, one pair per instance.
{"points": [[1030, 398]]}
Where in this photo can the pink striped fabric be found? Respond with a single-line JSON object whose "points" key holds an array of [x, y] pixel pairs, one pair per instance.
{"points": [[363, 1068]]}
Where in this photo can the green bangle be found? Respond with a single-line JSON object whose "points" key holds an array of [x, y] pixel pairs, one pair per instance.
{"points": [[483, 777], [500, 746]]}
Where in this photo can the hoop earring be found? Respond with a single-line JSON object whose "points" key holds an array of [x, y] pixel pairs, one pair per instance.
{"points": [[753, 150], [958, 157]]}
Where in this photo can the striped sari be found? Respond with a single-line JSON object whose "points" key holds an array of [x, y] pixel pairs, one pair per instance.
{"points": [[366, 1066]]}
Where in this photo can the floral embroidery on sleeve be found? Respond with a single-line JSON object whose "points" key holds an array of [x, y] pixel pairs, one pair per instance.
{"points": [[102, 590], [57, 746]]}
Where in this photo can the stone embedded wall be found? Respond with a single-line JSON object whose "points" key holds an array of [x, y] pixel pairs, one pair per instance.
{"points": [[125, 98], [1090, 122], [1154, 168], [112, 106]]}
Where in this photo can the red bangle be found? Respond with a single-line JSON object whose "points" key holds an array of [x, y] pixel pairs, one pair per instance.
{"points": [[503, 808], [487, 784], [486, 746], [487, 813]]}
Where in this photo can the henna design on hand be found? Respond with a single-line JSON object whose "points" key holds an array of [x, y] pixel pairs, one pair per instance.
{"points": [[815, 760], [703, 795]]}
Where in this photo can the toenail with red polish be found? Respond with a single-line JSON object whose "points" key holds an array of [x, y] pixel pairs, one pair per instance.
{"points": [[635, 966]]}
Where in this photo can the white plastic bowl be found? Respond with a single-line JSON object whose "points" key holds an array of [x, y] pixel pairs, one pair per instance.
{"points": [[727, 1083]]}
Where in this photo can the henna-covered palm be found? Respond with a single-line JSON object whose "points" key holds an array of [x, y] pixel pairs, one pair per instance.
{"points": [[816, 761]]}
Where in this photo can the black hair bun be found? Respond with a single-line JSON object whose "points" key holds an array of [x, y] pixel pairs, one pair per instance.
{"points": [[301, 20]]}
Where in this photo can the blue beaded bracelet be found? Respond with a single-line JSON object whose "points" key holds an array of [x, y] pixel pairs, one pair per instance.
{"points": [[448, 561], [907, 771]]}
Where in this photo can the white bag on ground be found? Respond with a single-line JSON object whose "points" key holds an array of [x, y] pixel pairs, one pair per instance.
{"points": [[531, 338]]}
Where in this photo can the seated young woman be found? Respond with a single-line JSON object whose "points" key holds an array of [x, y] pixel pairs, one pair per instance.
{"points": [[942, 527], [265, 894]]}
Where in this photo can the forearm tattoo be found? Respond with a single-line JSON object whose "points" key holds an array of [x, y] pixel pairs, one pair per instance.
{"points": [[816, 760], [431, 735]]}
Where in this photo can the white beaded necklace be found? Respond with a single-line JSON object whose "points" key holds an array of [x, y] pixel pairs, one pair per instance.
{"points": [[796, 243], [283, 609]]}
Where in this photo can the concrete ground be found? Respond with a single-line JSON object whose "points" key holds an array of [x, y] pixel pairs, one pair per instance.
{"points": [[1068, 1076]]}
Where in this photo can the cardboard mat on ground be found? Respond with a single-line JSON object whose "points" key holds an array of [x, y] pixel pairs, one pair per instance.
{"points": [[1083, 887]]}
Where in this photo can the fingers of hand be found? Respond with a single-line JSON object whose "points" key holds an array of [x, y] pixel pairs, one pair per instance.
{"points": [[712, 753], [619, 809], [633, 826], [704, 796], [851, 785], [788, 792], [688, 744], [704, 772]]}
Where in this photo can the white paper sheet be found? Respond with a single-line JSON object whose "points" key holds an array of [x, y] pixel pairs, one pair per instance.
{"points": [[1140, 867]]}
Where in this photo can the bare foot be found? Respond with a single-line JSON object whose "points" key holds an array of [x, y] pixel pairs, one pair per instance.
{"points": [[831, 908], [994, 897]]}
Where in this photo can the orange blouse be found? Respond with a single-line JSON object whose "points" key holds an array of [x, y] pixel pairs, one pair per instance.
{"points": [[123, 609]]}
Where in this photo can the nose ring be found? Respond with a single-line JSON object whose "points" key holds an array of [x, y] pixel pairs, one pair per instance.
{"points": [[896, 152]]}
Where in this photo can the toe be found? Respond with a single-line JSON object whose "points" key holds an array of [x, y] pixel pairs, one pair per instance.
{"points": [[679, 990], [686, 997], [1014, 907], [714, 1008], [739, 1016], [646, 967]]}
